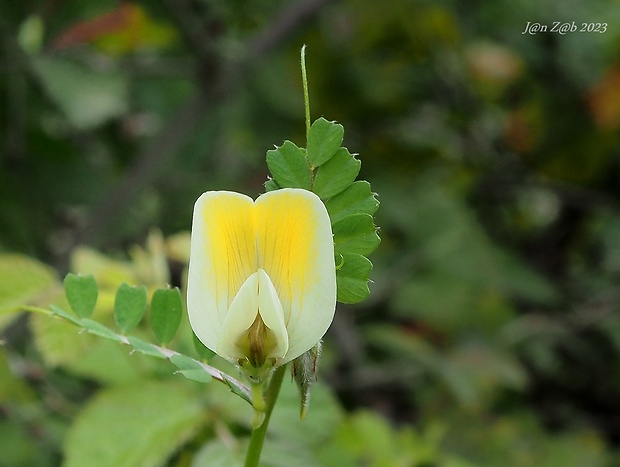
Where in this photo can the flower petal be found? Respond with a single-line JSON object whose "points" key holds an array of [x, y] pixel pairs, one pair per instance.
{"points": [[241, 315], [295, 248], [270, 309], [222, 257], [256, 304]]}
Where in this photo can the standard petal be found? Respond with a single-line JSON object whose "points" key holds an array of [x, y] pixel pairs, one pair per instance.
{"points": [[295, 248], [222, 257]]}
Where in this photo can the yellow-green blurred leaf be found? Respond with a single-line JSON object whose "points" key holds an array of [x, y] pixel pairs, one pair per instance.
{"points": [[87, 98], [127, 426], [23, 280]]}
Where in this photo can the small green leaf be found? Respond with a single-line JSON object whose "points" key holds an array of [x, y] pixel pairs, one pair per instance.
{"points": [[357, 198], [271, 185], [202, 350], [166, 312], [352, 279], [336, 174], [235, 388], [190, 368], [65, 315], [288, 166], [129, 306], [98, 329], [144, 347], [324, 139], [81, 292], [355, 234]]}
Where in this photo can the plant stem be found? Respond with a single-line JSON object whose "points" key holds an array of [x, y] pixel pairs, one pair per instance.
{"points": [[304, 79], [36, 309], [258, 435]]}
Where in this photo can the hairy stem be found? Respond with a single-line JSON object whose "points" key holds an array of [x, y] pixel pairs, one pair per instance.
{"points": [[304, 79]]}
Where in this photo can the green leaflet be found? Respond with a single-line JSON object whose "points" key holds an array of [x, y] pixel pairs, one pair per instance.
{"points": [[81, 292], [352, 278], [166, 312], [289, 167], [357, 198], [355, 234], [336, 174], [129, 306], [324, 139]]}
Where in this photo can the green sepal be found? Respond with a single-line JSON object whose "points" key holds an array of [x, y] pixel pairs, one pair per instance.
{"points": [[190, 368], [288, 166], [355, 234], [352, 278], [98, 329], [81, 292], [166, 312], [324, 139], [129, 306], [304, 370], [336, 174], [144, 347], [356, 198]]}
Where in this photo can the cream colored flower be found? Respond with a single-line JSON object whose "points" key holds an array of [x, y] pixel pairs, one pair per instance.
{"points": [[262, 282]]}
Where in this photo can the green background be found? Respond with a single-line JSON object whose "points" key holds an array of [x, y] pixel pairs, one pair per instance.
{"points": [[492, 333]]}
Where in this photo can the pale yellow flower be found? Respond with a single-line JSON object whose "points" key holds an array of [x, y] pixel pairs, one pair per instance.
{"points": [[262, 282]]}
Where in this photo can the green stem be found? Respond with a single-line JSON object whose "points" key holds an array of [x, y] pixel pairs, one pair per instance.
{"points": [[258, 435], [304, 79], [36, 309]]}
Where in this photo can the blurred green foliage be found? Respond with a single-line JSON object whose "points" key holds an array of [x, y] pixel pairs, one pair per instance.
{"points": [[492, 333]]}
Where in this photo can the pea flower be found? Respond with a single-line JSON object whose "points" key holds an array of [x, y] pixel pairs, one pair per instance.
{"points": [[262, 283]]}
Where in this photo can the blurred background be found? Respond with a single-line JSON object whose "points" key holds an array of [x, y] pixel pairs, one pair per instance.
{"points": [[492, 333]]}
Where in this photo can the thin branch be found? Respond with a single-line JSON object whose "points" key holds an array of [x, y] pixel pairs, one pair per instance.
{"points": [[121, 338]]}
